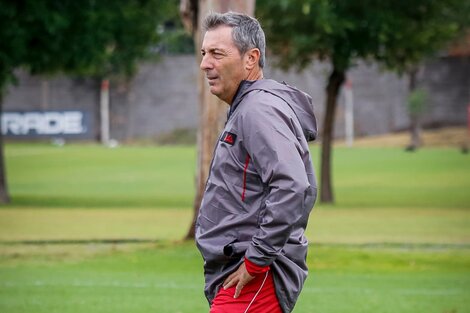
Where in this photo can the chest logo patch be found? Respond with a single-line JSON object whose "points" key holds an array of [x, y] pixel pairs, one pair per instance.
{"points": [[229, 138]]}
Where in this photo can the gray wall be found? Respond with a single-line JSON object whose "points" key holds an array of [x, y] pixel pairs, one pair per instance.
{"points": [[163, 96], [448, 84], [380, 96]]}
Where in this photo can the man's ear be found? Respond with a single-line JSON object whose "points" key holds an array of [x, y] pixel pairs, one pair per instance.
{"points": [[252, 58]]}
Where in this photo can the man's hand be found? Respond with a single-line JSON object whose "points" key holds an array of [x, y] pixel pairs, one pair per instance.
{"points": [[240, 277]]}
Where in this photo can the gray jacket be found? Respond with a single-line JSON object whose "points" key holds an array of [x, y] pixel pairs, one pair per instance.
{"points": [[261, 189]]}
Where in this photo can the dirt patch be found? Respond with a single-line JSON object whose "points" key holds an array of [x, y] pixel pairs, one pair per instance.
{"points": [[445, 137]]}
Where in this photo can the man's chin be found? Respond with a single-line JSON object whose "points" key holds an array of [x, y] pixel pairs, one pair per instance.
{"points": [[214, 90]]}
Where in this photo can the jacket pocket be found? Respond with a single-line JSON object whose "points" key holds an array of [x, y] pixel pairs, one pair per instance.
{"points": [[236, 249]]}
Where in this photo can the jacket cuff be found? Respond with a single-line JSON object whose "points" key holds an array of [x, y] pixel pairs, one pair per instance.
{"points": [[254, 269]]}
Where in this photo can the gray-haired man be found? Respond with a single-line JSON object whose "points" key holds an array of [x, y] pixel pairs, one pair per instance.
{"points": [[261, 187]]}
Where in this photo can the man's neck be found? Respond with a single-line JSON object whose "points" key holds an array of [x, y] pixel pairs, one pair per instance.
{"points": [[253, 75], [256, 74]]}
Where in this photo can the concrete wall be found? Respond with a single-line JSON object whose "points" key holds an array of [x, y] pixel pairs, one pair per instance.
{"points": [[380, 97], [448, 84], [163, 96]]}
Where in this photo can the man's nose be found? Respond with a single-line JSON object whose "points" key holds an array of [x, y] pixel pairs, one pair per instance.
{"points": [[205, 63]]}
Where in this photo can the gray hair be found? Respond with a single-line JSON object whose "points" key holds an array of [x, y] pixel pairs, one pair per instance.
{"points": [[246, 31]]}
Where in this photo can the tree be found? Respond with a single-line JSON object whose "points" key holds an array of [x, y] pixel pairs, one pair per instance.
{"points": [[89, 38], [212, 110], [397, 34]]}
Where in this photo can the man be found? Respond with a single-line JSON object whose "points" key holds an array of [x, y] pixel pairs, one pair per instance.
{"points": [[261, 186]]}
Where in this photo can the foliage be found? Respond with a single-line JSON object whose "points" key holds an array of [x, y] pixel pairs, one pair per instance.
{"points": [[175, 40], [81, 37], [395, 33], [88, 38], [417, 101]]}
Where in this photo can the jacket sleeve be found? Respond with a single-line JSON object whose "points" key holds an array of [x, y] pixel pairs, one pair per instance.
{"points": [[271, 140]]}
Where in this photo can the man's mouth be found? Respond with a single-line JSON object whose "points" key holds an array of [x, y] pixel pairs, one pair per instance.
{"points": [[211, 78]]}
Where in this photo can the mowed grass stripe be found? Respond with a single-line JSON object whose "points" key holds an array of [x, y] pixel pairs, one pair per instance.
{"points": [[95, 176], [326, 225], [77, 176], [85, 224], [168, 278]]}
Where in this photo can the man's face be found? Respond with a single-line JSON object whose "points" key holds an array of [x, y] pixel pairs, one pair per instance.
{"points": [[222, 63]]}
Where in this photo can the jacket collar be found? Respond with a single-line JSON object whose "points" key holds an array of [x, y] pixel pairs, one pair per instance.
{"points": [[244, 85]]}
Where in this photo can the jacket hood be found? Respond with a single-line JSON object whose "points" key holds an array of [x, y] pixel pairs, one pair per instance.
{"points": [[298, 101]]}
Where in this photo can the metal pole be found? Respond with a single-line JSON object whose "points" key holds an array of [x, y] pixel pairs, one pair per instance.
{"points": [[104, 111], [349, 112]]}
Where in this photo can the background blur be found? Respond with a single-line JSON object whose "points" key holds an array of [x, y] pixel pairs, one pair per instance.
{"points": [[100, 119]]}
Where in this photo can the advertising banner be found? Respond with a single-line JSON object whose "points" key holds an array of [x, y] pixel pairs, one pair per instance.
{"points": [[30, 124]]}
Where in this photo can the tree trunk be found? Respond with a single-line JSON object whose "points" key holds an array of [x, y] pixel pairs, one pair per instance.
{"points": [[4, 197], [212, 111], [335, 81]]}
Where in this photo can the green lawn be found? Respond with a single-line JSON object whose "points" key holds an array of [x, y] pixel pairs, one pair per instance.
{"points": [[163, 177], [397, 240], [93, 176], [327, 225], [168, 279]]}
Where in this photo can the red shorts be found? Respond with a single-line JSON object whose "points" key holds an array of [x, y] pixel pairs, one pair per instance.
{"points": [[258, 296]]}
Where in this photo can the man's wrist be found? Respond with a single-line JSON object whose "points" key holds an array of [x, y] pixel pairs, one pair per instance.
{"points": [[254, 269]]}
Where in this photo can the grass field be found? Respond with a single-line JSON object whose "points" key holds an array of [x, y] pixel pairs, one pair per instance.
{"points": [[168, 278], [398, 239]]}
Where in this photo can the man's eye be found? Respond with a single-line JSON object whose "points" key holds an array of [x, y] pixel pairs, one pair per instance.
{"points": [[218, 55], [203, 53]]}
